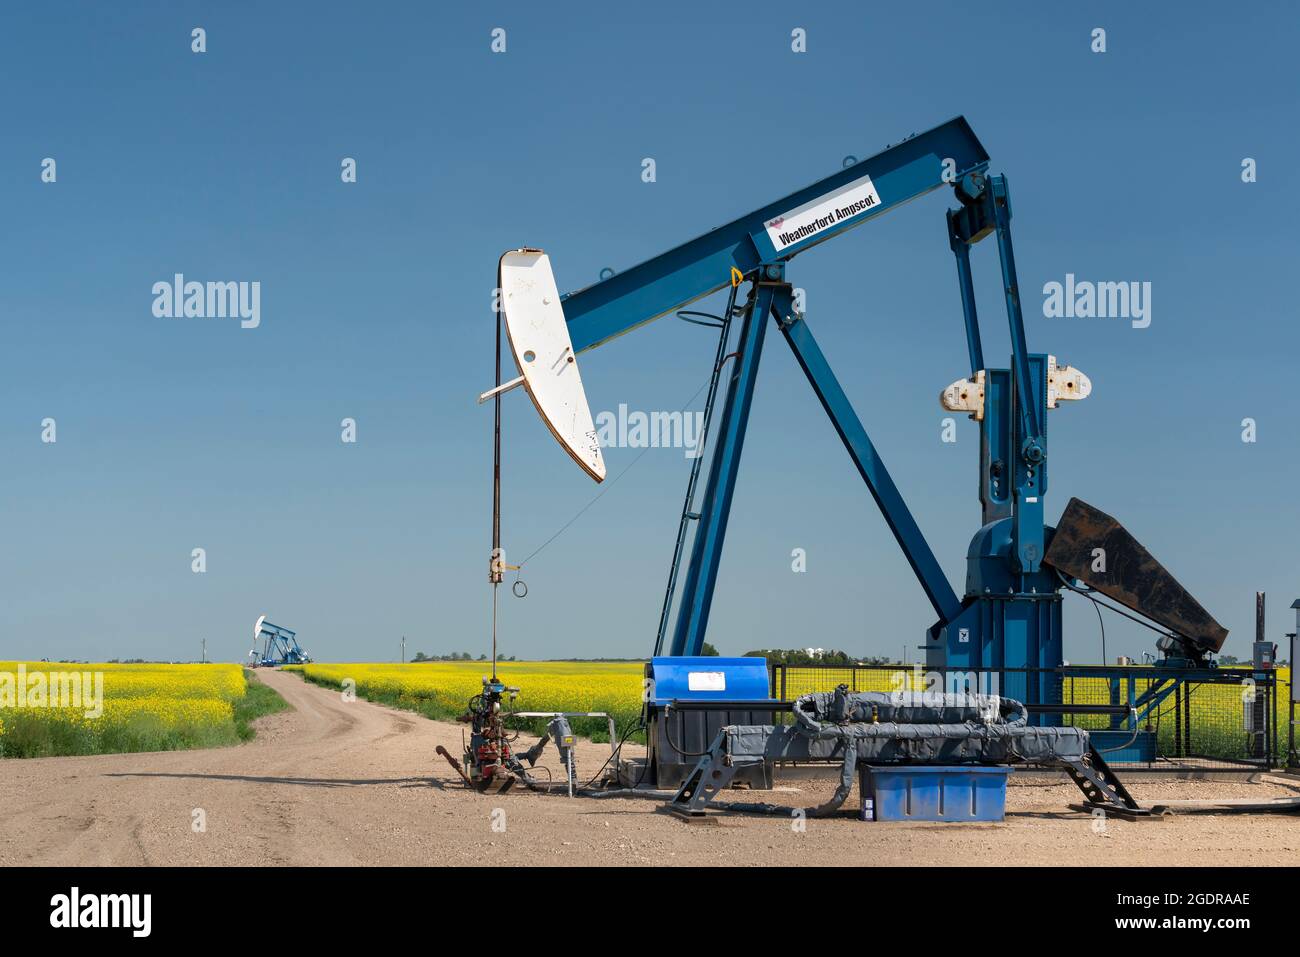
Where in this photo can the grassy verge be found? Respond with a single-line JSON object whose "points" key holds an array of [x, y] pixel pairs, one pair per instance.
{"points": [[258, 702]]}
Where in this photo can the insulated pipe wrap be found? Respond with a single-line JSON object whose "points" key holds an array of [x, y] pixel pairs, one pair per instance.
{"points": [[816, 712]]}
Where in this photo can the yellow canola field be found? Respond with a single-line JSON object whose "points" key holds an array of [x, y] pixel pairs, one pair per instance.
{"points": [[443, 688], [1217, 712], [51, 708]]}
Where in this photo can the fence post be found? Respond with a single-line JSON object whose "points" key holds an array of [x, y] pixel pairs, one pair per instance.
{"points": [[1290, 726], [1132, 704], [1291, 718], [1290, 693], [1272, 710], [1178, 720]]}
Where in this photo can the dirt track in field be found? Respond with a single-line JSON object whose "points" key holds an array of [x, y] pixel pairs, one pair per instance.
{"points": [[335, 782]]}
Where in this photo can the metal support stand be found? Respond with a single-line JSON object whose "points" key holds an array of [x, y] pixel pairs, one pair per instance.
{"points": [[711, 774], [1102, 789], [688, 506], [714, 772], [706, 551]]}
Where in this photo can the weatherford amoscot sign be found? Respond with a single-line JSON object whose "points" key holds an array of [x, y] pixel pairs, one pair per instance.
{"points": [[822, 214]]}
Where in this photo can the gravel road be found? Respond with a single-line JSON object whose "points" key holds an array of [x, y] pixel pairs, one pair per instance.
{"points": [[337, 782]]}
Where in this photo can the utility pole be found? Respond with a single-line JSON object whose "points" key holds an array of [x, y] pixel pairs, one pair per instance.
{"points": [[203, 656], [403, 649]]}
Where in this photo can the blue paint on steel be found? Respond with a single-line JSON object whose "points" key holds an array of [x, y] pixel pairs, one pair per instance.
{"points": [[955, 793], [965, 282], [743, 679], [867, 459], [1008, 620], [680, 276], [281, 647], [1031, 397], [987, 209], [706, 550], [689, 514], [1160, 681], [1123, 747], [1010, 617], [1000, 197], [997, 438], [1010, 484]]}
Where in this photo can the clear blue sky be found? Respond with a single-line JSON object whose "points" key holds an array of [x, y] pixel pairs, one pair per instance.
{"points": [[177, 434]]}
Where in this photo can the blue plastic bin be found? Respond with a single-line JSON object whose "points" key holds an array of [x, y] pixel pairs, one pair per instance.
{"points": [[957, 793]]}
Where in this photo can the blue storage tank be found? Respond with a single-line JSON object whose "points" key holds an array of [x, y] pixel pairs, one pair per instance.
{"points": [[696, 678], [955, 793], [738, 690]]}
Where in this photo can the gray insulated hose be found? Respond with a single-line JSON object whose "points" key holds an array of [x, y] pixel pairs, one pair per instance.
{"points": [[820, 711]]}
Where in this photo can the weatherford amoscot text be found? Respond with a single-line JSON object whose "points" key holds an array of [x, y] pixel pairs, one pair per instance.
{"points": [[817, 225]]}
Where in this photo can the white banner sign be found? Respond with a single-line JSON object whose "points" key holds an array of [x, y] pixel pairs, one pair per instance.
{"points": [[822, 214], [706, 681]]}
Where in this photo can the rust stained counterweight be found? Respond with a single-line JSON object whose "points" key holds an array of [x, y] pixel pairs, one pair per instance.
{"points": [[1128, 573]]}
